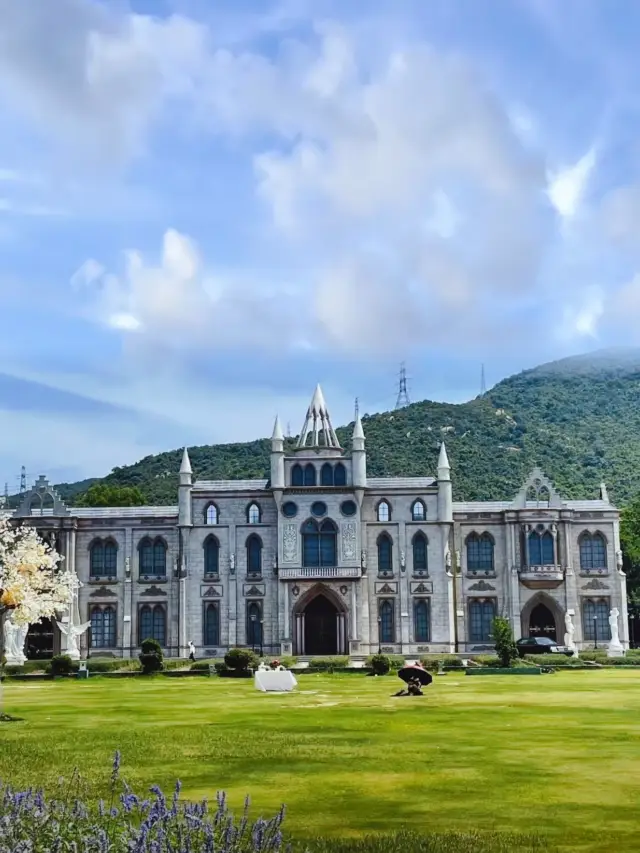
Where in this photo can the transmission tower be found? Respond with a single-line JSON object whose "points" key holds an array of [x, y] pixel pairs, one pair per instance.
{"points": [[288, 429], [403, 394], [357, 409], [483, 382], [23, 480]]}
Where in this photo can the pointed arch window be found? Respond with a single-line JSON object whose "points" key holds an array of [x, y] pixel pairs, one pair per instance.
{"points": [[152, 624], [541, 550], [422, 621], [384, 511], [593, 552], [319, 543], [103, 558], [480, 553], [211, 556], [420, 554], [386, 622], [153, 557], [595, 620], [309, 474], [103, 627], [481, 616], [418, 511], [211, 624], [326, 475], [211, 514], [385, 553], [254, 623], [254, 555], [339, 475], [297, 475], [254, 515]]}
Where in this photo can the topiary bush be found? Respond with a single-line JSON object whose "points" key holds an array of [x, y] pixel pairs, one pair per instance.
{"points": [[241, 660], [151, 656], [62, 665], [380, 664], [506, 648], [330, 664]]}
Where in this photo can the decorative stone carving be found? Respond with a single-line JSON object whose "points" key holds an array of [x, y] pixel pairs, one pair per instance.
{"points": [[481, 586], [153, 590], [344, 589], [211, 591], [363, 559], [595, 584], [295, 591], [127, 566], [103, 592], [253, 589], [422, 588], [386, 588], [289, 543], [232, 564], [619, 560], [349, 531], [403, 560]]}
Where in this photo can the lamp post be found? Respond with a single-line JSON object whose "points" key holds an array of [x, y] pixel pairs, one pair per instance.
{"points": [[253, 632], [379, 635], [595, 631], [261, 636]]}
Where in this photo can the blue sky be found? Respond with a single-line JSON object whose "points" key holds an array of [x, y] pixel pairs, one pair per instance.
{"points": [[207, 208]]}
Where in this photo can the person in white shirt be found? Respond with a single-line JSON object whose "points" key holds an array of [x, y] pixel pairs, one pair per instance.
{"points": [[192, 651]]}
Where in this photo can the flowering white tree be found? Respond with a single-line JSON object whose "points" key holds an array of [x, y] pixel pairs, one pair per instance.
{"points": [[32, 582]]}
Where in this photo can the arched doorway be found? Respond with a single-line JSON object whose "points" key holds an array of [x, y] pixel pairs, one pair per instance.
{"points": [[542, 623], [41, 640], [320, 623]]}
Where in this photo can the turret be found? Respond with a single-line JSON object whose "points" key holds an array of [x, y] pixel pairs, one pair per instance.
{"points": [[277, 456], [358, 456], [445, 495], [184, 491]]}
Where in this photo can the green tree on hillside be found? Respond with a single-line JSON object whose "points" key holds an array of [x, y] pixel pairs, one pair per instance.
{"points": [[104, 494], [630, 541]]}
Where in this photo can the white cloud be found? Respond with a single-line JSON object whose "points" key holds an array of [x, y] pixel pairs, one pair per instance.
{"points": [[582, 319], [567, 187]]}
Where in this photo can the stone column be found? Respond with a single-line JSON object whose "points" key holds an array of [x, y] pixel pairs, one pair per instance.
{"points": [[284, 588], [354, 613], [232, 612], [525, 530], [403, 586]]}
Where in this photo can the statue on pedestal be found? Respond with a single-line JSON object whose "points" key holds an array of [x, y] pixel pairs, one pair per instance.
{"points": [[14, 639], [615, 649], [570, 630], [73, 628]]}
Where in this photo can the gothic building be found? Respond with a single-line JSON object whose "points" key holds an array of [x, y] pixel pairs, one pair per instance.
{"points": [[322, 559]]}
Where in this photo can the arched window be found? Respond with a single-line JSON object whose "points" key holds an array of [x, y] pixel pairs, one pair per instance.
{"points": [[420, 554], [481, 616], [326, 475], [211, 624], [211, 556], [541, 551], [254, 555], [480, 553], [103, 558], [309, 475], [385, 553], [297, 475], [254, 515], [152, 624], [153, 557], [339, 475], [386, 622], [421, 621], [211, 514], [418, 511], [593, 551], [384, 511], [595, 621], [103, 627], [319, 546], [254, 624]]}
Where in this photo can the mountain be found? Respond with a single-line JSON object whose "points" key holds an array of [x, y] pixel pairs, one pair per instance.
{"points": [[578, 418]]}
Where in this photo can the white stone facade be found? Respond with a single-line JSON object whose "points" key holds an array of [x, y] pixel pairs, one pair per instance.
{"points": [[349, 567]]}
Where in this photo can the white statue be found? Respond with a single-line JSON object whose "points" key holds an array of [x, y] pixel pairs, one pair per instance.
{"points": [[619, 560], [403, 559], [73, 628], [615, 649], [14, 638], [569, 633]]}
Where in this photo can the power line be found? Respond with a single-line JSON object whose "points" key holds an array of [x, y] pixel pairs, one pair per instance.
{"points": [[403, 394]]}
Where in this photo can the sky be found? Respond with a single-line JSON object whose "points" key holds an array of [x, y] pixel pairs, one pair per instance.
{"points": [[207, 208]]}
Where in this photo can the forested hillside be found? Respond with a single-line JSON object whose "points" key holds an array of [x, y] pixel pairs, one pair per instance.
{"points": [[579, 419]]}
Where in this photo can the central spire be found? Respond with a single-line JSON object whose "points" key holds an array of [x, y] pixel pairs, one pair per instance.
{"points": [[318, 430]]}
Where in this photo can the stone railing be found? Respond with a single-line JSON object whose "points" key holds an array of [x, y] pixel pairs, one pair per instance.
{"points": [[541, 577], [319, 573]]}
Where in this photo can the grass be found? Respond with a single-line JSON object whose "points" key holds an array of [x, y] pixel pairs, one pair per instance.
{"points": [[557, 754]]}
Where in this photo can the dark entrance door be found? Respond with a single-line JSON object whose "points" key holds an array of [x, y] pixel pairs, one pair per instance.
{"points": [[542, 623], [320, 627], [39, 643]]}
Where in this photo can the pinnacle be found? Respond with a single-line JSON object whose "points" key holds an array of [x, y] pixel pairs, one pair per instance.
{"points": [[277, 431], [443, 459], [185, 467]]}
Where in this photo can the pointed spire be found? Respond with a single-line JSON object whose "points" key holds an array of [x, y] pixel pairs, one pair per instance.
{"points": [[604, 495], [185, 467], [443, 459], [318, 430], [358, 432], [277, 431]]}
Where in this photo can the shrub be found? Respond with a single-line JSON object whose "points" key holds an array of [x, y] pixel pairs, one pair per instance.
{"points": [[329, 664], [554, 660], [151, 656], [145, 824], [380, 664], [506, 648], [241, 660], [62, 665], [288, 661]]}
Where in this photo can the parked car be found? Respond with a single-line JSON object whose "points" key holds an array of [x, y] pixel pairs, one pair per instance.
{"points": [[541, 646]]}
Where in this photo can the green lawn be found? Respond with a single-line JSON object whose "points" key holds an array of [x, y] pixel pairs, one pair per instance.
{"points": [[556, 754]]}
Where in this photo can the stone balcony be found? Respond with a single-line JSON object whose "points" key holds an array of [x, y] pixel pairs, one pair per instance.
{"points": [[319, 573], [541, 577]]}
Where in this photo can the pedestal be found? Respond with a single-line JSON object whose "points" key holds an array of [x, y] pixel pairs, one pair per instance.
{"points": [[16, 660], [615, 650]]}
